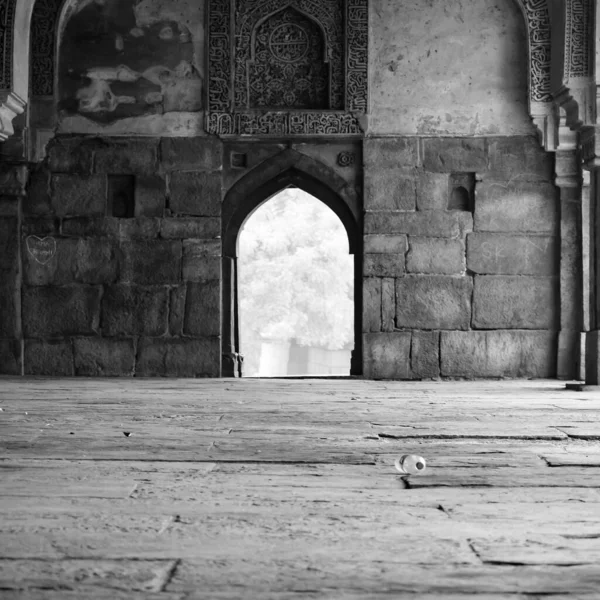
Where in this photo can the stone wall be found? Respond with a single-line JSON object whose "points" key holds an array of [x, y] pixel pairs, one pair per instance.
{"points": [[104, 295], [460, 293]]}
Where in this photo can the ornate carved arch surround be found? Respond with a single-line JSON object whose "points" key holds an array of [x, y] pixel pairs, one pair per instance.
{"points": [[221, 37]]}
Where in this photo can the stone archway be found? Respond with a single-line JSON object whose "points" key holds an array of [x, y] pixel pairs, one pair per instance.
{"points": [[290, 168]]}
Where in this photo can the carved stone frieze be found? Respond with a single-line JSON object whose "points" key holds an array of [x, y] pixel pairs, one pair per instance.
{"points": [[287, 68], [44, 24], [7, 17], [578, 38]]}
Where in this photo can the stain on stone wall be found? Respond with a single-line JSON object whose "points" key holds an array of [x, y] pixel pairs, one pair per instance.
{"points": [[125, 58], [453, 67]]}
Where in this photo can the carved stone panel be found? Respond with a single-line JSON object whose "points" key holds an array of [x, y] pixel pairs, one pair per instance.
{"points": [[579, 38], [283, 68]]}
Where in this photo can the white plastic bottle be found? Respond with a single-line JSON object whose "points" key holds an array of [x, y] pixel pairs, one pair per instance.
{"points": [[411, 464]]}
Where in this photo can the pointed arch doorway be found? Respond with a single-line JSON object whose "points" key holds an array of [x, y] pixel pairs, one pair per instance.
{"points": [[292, 170]]}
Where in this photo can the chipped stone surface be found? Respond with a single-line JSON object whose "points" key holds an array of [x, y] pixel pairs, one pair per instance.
{"points": [[385, 244], [371, 304], [435, 256], [390, 189], [508, 302], [151, 261], [61, 311], [516, 207], [97, 357], [196, 194], [129, 310], [425, 354], [501, 254], [433, 302], [427, 223], [498, 354], [202, 309], [78, 195], [384, 265], [179, 357], [387, 355], [49, 358]]}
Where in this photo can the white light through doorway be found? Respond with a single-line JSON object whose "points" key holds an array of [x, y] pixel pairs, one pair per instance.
{"points": [[296, 289]]}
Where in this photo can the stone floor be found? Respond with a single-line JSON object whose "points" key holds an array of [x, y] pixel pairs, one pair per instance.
{"points": [[280, 489]]}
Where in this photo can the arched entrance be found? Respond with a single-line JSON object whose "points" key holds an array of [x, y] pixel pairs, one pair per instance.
{"points": [[296, 289], [290, 169]]}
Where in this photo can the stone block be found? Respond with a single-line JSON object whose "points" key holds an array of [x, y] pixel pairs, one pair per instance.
{"points": [[10, 206], [77, 195], [371, 304], [388, 305], [37, 199], [203, 228], [98, 357], [390, 189], [92, 261], [10, 357], [70, 155], [385, 244], [433, 302], [90, 227], [40, 226], [381, 153], [505, 302], [516, 207], [191, 154], [501, 254], [509, 354], [387, 355], [455, 155], [433, 190], [9, 244], [193, 193], [49, 357], [60, 311], [383, 265], [139, 228], [177, 310], [423, 224], [150, 196], [134, 310], [522, 157], [425, 354], [203, 309], [435, 256], [150, 262], [128, 156], [9, 302], [179, 358], [201, 260]]}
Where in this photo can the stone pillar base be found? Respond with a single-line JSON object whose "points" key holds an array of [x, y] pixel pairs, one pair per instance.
{"points": [[231, 365], [592, 358]]}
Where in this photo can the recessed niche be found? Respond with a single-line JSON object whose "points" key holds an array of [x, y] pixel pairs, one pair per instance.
{"points": [[462, 192], [239, 160], [121, 196]]}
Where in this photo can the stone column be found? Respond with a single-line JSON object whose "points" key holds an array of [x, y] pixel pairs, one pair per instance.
{"points": [[590, 144], [13, 179], [231, 365], [568, 180]]}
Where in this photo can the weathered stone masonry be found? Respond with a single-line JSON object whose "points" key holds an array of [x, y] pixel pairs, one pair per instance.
{"points": [[458, 293], [124, 296]]}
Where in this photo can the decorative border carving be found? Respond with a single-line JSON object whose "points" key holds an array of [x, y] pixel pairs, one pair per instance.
{"points": [[44, 25], [538, 22], [227, 100], [7, 19], [578, 38]]}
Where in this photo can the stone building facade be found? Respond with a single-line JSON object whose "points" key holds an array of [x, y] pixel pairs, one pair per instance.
{"points": [[456, 141]]}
